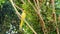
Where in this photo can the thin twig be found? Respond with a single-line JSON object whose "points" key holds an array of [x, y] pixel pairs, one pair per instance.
{"points": [[38, 4], [18, 14], [32, 6], [30, 27], [35, 2], [23, 1], [18, 7], [54, 15]]}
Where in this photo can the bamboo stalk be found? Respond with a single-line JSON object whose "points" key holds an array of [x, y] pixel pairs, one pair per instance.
{"points": [[54, 16], [18, 14]]}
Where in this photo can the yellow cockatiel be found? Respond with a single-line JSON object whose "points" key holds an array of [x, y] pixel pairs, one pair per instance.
{"points": [[23, 15]]}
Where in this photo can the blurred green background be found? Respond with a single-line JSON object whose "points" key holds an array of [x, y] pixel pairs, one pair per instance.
{"points": [[9, 21]]}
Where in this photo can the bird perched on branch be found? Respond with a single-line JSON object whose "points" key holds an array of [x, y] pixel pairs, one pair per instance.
{"points": [[23, 15]]}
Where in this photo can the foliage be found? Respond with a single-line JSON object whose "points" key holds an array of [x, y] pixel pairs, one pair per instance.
{"points": [[9, 21]]}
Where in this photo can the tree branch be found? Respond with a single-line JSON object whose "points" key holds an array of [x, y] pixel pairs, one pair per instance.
{"points": [[40, 17], [54, 16], [18, 14]]}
